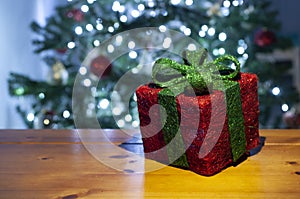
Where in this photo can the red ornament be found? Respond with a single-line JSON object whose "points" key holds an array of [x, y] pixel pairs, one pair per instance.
{"points": [[101, 66], [264, 38], [61, 50], [292, 118], [76, 14]]}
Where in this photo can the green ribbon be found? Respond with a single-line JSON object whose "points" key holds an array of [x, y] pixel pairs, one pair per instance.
{"points": [[199, 75]]}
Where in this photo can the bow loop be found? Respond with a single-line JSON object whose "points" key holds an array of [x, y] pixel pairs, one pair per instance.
{"points": [[224, 70]]}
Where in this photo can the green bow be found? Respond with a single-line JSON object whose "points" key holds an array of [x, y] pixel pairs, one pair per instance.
{"points": [[199, 73]]}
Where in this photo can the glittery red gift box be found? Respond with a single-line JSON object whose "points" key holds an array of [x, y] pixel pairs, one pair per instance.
{"points": [[195, 128]]}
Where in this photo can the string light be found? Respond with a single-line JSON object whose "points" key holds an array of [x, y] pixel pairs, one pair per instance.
{"points": [[152, 13], [123, 18], [116, 25], [202, 33], [222, 51], [30, 117], [187, 31], [117, 111], [225, 11], [211, 31], [135, 123], [141, 7], [85, 8], [204, 28], [87, 82], [233, 66], [215, 52], [241, 42], [20, 91], [83, 70], [46, 122], [132, 54], [134, 97], [240, 50], [110, 48], [89, 112], [135, 70], [91, 106], [128, 118], [182, 28], [42, 96], [110, 29], [191, 47], [235, 3], [222, 36], [66, 114], [90, 1], [167, 42], [245, 56], [122, 9], [121, 123], [285, 107], [162, 28], [99, 26], [189, 2], [89, 27], [116, 6], [94, 91], [99, 20], [78, 30], [96, 43], [131, 45], [135, 13], [276, 91], [175, 2], [104, 103], [226, 4], [151, 4], [71, 45], [164, 13], [119, 40]]}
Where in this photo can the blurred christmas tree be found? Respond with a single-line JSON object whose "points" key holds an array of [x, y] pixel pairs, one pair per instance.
{"points": [[243, 28]]}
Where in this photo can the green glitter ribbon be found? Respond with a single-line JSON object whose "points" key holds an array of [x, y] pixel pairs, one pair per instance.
{"points": [[199, 75]]}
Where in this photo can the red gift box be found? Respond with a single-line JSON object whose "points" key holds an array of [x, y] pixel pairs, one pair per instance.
{"points": [[194, 126]]}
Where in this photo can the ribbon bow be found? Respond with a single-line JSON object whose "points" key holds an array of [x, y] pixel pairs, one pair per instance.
{"points": [[197, 72]]}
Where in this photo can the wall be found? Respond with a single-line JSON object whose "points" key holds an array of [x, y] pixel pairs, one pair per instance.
{"points": [[289, 16], [16, 50]]}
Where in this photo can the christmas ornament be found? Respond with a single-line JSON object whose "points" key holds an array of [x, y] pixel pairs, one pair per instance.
{"points": [[101, 66], [61, 50], [264, 38], [58, 75], [292, 118], [44, 120], [215, 9], [76, 14]]}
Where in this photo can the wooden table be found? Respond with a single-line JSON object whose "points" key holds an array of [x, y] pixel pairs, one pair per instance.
{"points": [[56, 164]]}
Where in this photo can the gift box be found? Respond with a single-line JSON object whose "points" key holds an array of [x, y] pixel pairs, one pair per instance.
{"points": [[198, 119]]}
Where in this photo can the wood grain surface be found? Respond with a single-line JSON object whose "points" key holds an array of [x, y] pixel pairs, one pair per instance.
{"points": [[63, 164]]}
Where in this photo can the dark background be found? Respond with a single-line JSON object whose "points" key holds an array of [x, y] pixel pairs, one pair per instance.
{"points": [[289, 16]]}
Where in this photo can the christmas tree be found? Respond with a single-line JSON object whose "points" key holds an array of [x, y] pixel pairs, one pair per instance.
{"points": [[246, 29]]}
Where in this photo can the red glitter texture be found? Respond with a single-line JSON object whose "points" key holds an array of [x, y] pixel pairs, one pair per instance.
{"points": [[194, 127]]}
